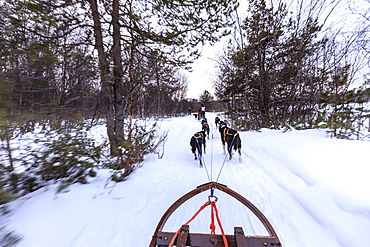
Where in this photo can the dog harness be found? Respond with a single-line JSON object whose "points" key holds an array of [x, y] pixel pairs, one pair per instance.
{"points": [[226, 132], [198, 135]]}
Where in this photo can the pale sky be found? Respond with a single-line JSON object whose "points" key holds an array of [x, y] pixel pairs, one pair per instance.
{"points": [[204, 70], [201, 78]]}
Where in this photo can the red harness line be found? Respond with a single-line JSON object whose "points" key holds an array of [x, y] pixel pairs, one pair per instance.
{"points": [[214, 212]]}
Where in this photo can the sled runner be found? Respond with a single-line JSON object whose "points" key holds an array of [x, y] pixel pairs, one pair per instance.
{"points": [[184, 237]]}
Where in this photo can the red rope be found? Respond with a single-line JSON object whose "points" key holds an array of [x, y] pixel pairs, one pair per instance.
{"points": [[212, 226], [191, 219], [214, 212], [219, 224]]}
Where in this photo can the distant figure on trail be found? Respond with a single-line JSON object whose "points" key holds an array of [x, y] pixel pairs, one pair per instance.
{"points": [[202, 111], [189, 111]]}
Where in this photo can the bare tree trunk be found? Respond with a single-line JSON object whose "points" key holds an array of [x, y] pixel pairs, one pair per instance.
{"points": [[10, 157], [118, 95], [245, 64], [131, 88], [106, 83]]}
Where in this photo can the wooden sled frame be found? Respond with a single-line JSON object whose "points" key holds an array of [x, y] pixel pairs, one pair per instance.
{"points": [[185, 238]]}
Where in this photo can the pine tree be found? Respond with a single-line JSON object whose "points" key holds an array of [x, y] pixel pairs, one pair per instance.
{"points": [[271, 79]]}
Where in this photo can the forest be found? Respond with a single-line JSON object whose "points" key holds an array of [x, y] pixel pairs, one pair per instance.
{"points": [[67, 66]]}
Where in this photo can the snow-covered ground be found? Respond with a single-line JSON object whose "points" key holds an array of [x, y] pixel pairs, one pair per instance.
{"points": [[312, 189]]}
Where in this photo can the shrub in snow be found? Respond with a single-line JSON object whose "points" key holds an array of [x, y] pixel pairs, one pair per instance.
{"points": [[140, 142], [68, 157], [60, 152], [345, 114], [8, 238]]}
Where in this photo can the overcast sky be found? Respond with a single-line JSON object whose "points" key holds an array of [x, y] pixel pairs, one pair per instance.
{"points": [[201, 78]]}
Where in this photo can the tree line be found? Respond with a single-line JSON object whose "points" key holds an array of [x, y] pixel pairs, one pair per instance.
{"points": [[286, 67], [66, 66]]}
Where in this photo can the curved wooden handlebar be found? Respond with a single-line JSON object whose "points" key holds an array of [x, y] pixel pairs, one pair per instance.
{"points": [[209, 186]]}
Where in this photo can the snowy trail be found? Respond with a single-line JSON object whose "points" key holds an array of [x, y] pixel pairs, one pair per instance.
{"points": [[289, 177], [299, 191]]}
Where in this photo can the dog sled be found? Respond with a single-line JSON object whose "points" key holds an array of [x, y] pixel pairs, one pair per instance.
{"points": [[184, 237]]}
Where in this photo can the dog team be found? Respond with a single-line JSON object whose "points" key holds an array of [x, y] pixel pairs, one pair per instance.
{"points": [[228, 136]]}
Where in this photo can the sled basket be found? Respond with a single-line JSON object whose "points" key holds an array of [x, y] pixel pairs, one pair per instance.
{"points": [[186, 238]]}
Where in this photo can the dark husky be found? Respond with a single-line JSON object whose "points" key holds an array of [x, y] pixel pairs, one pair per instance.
{"points": [[197, 141], [231, 137], [205, 126], [217, 121]]}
